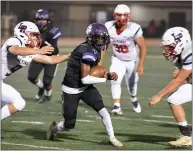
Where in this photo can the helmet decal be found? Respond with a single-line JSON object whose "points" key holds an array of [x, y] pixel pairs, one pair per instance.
{"points": [[89, 28], [22, 28], [178, 37]]}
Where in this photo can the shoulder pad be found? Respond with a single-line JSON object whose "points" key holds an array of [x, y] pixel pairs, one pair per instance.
{"points": [[55, 32]]}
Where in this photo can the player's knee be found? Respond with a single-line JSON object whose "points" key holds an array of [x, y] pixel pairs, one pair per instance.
{"points": [[32, 80], [116, 91], [47, 82], [133, 82], [98, 106], [19, 104], [114, 83]]}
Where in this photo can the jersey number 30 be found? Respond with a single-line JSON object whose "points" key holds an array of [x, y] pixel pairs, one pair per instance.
{"points": [[121, 48]]}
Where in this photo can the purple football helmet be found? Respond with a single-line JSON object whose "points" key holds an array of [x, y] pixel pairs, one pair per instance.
{"points": [[42, 14], [98, 36]]}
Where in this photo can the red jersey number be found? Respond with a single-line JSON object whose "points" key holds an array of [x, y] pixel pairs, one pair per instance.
{"points": [[121, 48]]}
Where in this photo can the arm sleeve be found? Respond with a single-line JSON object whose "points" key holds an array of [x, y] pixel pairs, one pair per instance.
{"points": [[26, 59], [106, 25], [13, 42], [91, 80], [138, 32]]}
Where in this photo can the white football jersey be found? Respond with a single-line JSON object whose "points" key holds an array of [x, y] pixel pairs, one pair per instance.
{"points": [[10, 62], [185, 59], [124, 45]]}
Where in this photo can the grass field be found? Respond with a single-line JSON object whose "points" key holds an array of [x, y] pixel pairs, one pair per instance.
{"points": [[149, 130]]}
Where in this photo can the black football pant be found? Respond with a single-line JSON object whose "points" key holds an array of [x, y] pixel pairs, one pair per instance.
{"points": [[49, 72], [90, 96]]}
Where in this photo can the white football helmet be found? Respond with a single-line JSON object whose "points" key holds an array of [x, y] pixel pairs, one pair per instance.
{"points": [[121, 15], [173, 42], [28, 33]]}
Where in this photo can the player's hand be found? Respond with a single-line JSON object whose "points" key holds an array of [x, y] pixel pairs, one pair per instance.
{"points": [[155, 99], [46, 50], [175, 73], [112, 76], [139, 70]]}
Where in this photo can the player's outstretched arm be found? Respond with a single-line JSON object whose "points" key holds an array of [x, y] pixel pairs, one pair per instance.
{"points": [[172, 86], [24, 51], [175, 83], [51, 59]]}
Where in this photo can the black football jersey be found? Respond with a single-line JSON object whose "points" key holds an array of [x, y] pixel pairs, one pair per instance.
{"points": [[51, 35], [84, 53]]}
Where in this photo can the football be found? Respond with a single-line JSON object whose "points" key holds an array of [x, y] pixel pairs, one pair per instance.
{"points": [[97, 71]]}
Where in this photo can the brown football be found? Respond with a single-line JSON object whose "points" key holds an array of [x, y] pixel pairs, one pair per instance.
{"points": [[97, 71]]}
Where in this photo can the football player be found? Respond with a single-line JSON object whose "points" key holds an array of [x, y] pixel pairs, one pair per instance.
{"points": [[78, 84], [17, 52], [127, 40], [177, 48], [49, 35]]}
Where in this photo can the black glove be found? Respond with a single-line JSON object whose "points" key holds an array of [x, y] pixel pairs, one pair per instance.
{"points": [[112, 76]]}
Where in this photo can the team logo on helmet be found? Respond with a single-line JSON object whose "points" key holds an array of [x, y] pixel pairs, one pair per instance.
{"points": [[178, 37], [88, 30], [22, 28]]}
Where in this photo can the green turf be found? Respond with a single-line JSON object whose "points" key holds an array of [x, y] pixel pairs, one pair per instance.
{"points": [[132, 129]]}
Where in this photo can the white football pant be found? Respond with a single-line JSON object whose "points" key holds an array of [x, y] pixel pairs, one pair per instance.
{"points": [[182, 95], [127, 68], [11, 96]]}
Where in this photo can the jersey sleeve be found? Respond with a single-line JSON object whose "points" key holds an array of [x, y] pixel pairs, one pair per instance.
{"points": [[13, 42], [109, 25], [106, 25], [187, 62], [138, 32], [25, 60], [89, 58], [56, 33]]}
